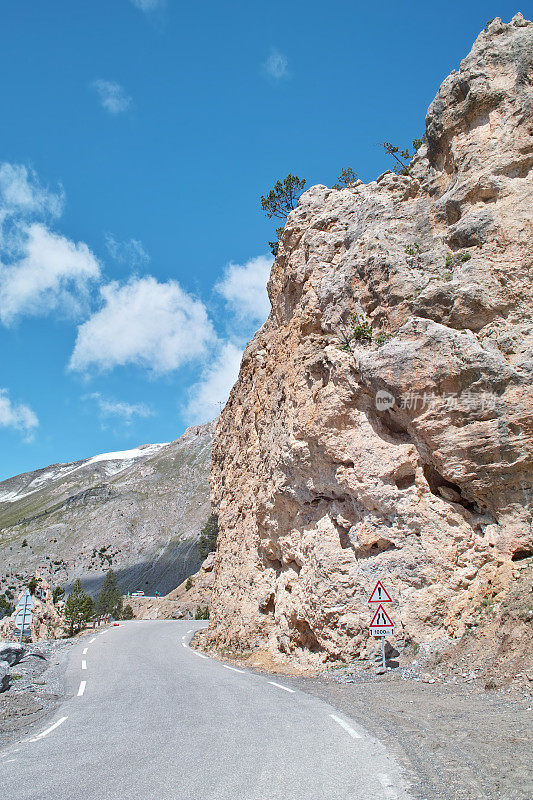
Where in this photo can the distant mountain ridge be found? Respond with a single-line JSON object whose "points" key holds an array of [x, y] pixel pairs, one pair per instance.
{"points": [[140, 511]]}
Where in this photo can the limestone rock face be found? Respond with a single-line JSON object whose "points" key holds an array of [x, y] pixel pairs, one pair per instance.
{"points": [[409, 461]]}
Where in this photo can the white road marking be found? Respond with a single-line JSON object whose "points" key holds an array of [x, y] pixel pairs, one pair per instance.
{"points": [[10, 760], [48, 730], [184, 644], [81, 690], [106, 631], [285, 688], [191, 630], [346, 727], [234, 669], [200, 655], [84, 664], [388, 786], [85, 651], [93, 640]]}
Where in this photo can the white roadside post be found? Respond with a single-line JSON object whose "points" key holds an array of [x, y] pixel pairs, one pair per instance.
{"points": [[24, 613], [381, 624]]}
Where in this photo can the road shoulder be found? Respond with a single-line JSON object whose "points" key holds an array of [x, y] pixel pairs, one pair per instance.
{"points": [[37, 691]]}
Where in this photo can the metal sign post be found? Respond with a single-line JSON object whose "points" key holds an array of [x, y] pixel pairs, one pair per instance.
{"points": [[23, 618]]}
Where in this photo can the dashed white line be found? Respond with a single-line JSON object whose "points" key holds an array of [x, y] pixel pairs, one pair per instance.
{"points": [[346, 727], [48, 730], [196, 653], [102, 632], [285, 688], [10, 760], [388, 786], [84, 664], [184, 644], [233, 669], [93, 640], [191, 630], [85, 651], [81, 690]]}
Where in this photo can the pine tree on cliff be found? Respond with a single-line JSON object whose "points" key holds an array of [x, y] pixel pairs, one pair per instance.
{"points": [[207, 543], [109, 600], [280, 201]]}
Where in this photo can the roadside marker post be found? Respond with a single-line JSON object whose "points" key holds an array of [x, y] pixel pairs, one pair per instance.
{"points": [[381, 624], [24, 614]]}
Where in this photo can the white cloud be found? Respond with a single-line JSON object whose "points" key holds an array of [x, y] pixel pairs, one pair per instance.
{"points": [[109, 407], [215, 385], [154, 325], [112, 96], [244, 288], [129, 252], [40, 271], [49, 273], [16, 415], [276, 65], [148, 5], [21, 193]]}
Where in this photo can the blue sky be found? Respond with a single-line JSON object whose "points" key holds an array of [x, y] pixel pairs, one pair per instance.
{"points": [[137, 138]]}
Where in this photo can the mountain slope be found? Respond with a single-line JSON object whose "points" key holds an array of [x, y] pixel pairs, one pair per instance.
{"points": [[139, 511]]}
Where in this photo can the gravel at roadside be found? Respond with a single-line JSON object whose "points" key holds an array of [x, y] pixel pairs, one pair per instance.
{"points": [[455, 742], [37, 689]]}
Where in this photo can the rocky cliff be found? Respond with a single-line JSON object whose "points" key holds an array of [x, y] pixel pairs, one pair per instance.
{"points": [[407, 457], [138, 511]]}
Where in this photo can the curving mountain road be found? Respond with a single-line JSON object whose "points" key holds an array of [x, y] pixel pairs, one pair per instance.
{"points": [[150, 719]]}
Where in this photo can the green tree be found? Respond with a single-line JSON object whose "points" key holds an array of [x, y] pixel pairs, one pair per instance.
{"points": [[127, 612], [188, 584], [207, 543], [6, 608], [58, 594], [78, 608], [32, 584], [109, 600], [403, 158], [283, 197], [280, 201], [347, 178], [202, 613]]}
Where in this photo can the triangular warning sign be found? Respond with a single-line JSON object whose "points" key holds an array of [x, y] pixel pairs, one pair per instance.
{"points": [[380, 594], [381, 619]]}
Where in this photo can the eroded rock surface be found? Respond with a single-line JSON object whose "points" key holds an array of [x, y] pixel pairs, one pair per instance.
{"points": [[409, 461]]}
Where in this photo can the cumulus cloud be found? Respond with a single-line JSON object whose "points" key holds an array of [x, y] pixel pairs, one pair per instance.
{"points": [[243, 286], [149, 5], [129, 252], [212, 390], [154, 325], [112, 96], [40, 270], [109, 407], [276, 65], [21, 193], [17, 415], [49, 273]]}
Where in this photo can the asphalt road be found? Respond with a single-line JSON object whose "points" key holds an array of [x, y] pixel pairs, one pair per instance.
{"points": [[149, 718]]}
